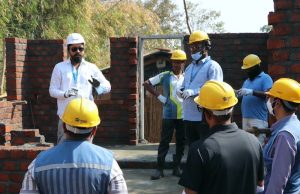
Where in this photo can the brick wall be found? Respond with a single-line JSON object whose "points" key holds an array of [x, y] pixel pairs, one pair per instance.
{"points": [[229, 51], [29, 67], [284, 41], [14, 162]]}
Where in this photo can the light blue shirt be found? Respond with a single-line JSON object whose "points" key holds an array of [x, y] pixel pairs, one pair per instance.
{"points": [[254, 107], [195, 76]]}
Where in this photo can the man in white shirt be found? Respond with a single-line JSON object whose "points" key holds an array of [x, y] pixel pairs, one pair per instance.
{"points": [[75, 78]]}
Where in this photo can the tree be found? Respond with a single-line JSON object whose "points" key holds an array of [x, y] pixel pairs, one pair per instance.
{"points": [[204, 19]]}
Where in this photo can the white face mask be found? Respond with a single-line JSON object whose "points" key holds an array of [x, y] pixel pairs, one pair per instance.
{"points": [[270, 108]]}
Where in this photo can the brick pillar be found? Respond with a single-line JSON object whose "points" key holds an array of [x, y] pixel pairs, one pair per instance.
{"points": [[17, 74], [284, 40], [119, 114]]}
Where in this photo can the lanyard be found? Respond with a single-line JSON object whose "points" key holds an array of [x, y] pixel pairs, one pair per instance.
{"points": [[75, 74], [194, 73]]}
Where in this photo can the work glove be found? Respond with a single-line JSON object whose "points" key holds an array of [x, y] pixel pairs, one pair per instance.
{"points": [[244, 92], [95, 83], [162, 99], [71, 92], [187, 93]]}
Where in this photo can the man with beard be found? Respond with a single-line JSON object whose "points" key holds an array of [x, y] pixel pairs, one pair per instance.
{"points": [[172, 112], [254, 108], [75, 78]]}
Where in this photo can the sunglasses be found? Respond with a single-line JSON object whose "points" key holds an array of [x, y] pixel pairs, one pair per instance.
{"points": [[75, 49]]}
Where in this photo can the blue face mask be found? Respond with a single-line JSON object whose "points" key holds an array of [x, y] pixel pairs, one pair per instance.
{"points": [[196, 56]]}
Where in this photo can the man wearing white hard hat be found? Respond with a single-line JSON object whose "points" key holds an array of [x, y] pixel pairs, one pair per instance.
{"points": [[74, 78]]}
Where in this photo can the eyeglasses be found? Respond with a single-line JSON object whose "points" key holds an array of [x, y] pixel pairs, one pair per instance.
{"points": [[75, 49]]}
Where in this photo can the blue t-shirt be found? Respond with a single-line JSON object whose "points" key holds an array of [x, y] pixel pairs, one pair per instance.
{"points": [[254, 107]]}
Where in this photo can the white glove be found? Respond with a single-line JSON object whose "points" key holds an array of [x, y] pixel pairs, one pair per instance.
{"points": [[162, 99], [259, 189], [187, 93], [71, 92], [244, 92], [179, 92]]}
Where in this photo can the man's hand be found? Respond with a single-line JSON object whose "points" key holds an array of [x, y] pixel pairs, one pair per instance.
{"points": [[187, 93], [71, 92], [244, 92], [95, 83], [162, 99]]}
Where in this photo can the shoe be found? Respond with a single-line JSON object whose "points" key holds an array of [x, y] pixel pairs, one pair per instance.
{"points": [[157, 174], [177, 172]]}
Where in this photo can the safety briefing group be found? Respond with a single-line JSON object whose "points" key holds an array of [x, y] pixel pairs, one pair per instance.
{"points": [[198, 105]]}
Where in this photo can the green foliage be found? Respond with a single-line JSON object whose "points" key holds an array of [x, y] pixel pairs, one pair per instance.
{"points": [[266, 28], [97, 21], [203, 19], [55, 19]]}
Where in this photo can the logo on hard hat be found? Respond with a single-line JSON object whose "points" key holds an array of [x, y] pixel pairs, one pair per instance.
{"points": [[225, 99], [78, 120]]}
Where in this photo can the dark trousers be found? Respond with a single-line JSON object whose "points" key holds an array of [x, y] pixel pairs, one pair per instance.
{"points": [[168, 126], [196, 130]]}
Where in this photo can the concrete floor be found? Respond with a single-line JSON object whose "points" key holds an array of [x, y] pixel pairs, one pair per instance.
{"points": [[138, 182], [138, 163]]}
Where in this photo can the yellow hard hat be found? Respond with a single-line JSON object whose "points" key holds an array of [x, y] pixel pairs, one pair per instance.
{"points": [[178, 55], [286, 89], [198, 36], [250, 61], [216, 95], [81, 112]]}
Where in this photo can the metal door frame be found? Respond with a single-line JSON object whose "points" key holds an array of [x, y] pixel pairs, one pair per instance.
{"points": [[141, 104]]}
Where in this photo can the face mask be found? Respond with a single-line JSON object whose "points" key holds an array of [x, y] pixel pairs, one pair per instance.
{"points": [[270, 107], [196, 56]]}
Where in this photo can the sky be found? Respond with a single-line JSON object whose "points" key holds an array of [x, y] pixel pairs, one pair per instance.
{"points": [[239, 15]]}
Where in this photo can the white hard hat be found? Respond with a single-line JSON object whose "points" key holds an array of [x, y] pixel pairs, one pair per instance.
{"points": [[75, 38]]}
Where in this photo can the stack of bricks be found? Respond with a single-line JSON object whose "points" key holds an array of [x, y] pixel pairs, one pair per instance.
{"points": [[284, 40]]}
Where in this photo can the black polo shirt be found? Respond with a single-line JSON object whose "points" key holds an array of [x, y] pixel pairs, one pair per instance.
{"points": [[229, 161]]}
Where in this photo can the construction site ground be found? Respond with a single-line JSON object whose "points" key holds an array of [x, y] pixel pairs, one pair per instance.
{"points": [[138, 163]]}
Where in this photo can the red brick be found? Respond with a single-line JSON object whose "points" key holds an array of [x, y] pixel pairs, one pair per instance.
{"points": [[132, 96], [132, 120], [16, 177], [4, 177], [274, 70], [295, 68], [133, 61], [3, 153], [273, 43], [17, 154], [14, 187], [10, 165], [24, 165], [283, 4], [281, 29], [277, 17], [282, 55], [31, 154], [295, 16], [295, 42]]}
